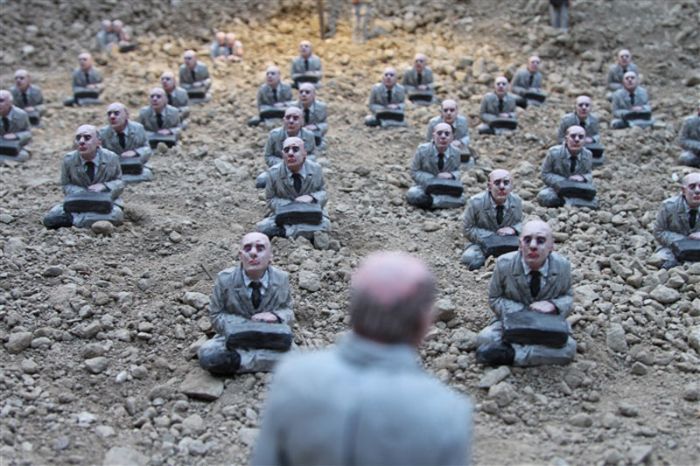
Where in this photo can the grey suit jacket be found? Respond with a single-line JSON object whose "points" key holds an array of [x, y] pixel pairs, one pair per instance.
{"points": [[178, 98], [425, 163], [410, 78], [672, 223], [521, 81], [556, 166], [480, 216], [201, 73], [460, 128], [219, 50], [231, 304], [171, 119], [108, 171], [379, 98], [689, 137], [34, 98], [299, 68], [275, 139], [265, 97], [280, 191], [318, 114], [509, 290], [616, 74], [19, 125], [79, 81], [135, 138], [106, 39], [362, 403], [489, 107], [622, 104], [591, 126]]}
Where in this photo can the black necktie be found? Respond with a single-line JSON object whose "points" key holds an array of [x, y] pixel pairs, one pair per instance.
{"points": [[420, 78], [6, 124], [256, 296], [532, 78], [632, 98], [499, 214], [306, 64], [193, 75], [296, 178], [388, 96], [582, 123], [500, 105], [572, 166], [274, 94], [307, 116], [159, 120], [87, 78], [624, 70], [692, 218], [534, 283], [122, 140], [170, 99], [24, 99], [90, 170], [441, 161]]}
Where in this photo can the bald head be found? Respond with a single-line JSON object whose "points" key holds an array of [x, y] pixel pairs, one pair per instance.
{"points": [[624, 57], [293, 120], [690, 188], [221, 37], [157, 98], [536, 243], [6, 102], [118, 116], [85, 61], [442, 136], [87, 141], [533, 63], [305, 49], [168, 81], [630, 80], [501, 85], [307, 94], [419, 62], [449, 111], [272, 75], [190, 58], [22, 79], [389, 77], [255, 253], [500, 185]]}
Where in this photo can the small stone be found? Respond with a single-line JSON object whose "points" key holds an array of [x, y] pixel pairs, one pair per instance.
{"points": [[29, 366], [665, 295], [61, 443], [502, 393], [6, 219], [613, 457], [53, 271], [309, 281], [431, 226], [124, 456], [639, 369], [97, 365], [85, 419], [196, 299], [581, 420], [193, 425], [691, 392], [694, 338], [639, 454], [175, 237], [322, 240], [202, 385], [248, 435], [103, 227], [18, 342], [494, 376], [615, 338], [446, 310], [224, 167], [197, 448], [627, 410], [104, 431]]}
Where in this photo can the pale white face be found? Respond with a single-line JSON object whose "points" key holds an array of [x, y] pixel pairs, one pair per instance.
{"points": [[691, 189], [575, 137], [86, 141], [583, 106], [536, 243], [500, 185], [449, 111], [442, 136], [293, 153], [501, 86], [255, 253]]}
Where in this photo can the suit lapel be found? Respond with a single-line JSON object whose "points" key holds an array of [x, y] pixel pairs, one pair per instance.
{"points": [[552, 274], [521, 280]]}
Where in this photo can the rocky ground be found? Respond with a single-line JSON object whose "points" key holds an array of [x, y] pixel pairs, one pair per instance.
{"points": [[100, 330]]}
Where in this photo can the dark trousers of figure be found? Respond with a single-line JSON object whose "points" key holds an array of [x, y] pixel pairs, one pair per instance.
{"points": [[559, 14]]}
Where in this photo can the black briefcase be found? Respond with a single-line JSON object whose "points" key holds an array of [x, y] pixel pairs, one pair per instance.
{"points": [[394, 115], [496, 245], [535, 328], [131, 165], [168, 139], [260, 335], [86, 94], [569, 188], [124, 48], [421, 97], [440, 186], [538, 97], [295, 213], [34, 118], [10, 147], [634, 115], [197, 93], [306, 79], [686, 250], [88, 201], [504, 123], [272, 113], [596, 149]]}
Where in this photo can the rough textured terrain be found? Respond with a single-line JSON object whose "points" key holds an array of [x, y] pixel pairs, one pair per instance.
{"points": [[99, 330]]}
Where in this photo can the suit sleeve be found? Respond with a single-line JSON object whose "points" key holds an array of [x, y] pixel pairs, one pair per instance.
{"points": [[68, 187], [619, 107], [421, 177], [274, 201], [685, 138], [471, 230], [222, 321], [550, 178], [499, 302], [116, 185], [565, 301], [662, 228], [486, 117], [285, 311]]}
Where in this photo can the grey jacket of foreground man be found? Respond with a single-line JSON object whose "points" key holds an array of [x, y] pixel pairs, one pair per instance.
{"points": [[34, 98], [590, 124], [489, 106], [460, 128], [672, 223], [557, 165], [521, 81], [509, 290], [231, 304], [616, 75], [135, 138], [280, 190], [689, 137], [480, 216], [622, 104], [424, 167], [266, 98], [79, 81], [19, 125], [299, 69], [275, 139], [410, 78], [171, 119], [201, 73], [378, 98], [362, 403], [108, 172], [318, 114]]}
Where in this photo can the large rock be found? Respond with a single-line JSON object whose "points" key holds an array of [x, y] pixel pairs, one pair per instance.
{"points": [[196, 299], [615, 338], [665, 295], [18, 342], [103, 227], [124, 456], [202, 385], [96, 365], [494, 376], [309, 281], [502, 393]]}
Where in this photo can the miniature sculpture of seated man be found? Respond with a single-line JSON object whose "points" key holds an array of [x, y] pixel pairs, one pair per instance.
{"points": [[616, 72], [296, 196], [449, 113], [235, 48], [418, 81], [306, 68], [492, 220], [176, 95], [91, 177], [315, 113], [386, 102], [527, 84], [582, 116], [251, 309], [106, 37], [194, 78], [124, 42], [566, 172], [160, 120], [273, 98], [87, 83], [497, 109], [15, 132], [689, 139], [28, 97], [435, 170], [677, 227], [530, 295], [128, 140], [631, 104], [219, 51]]}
